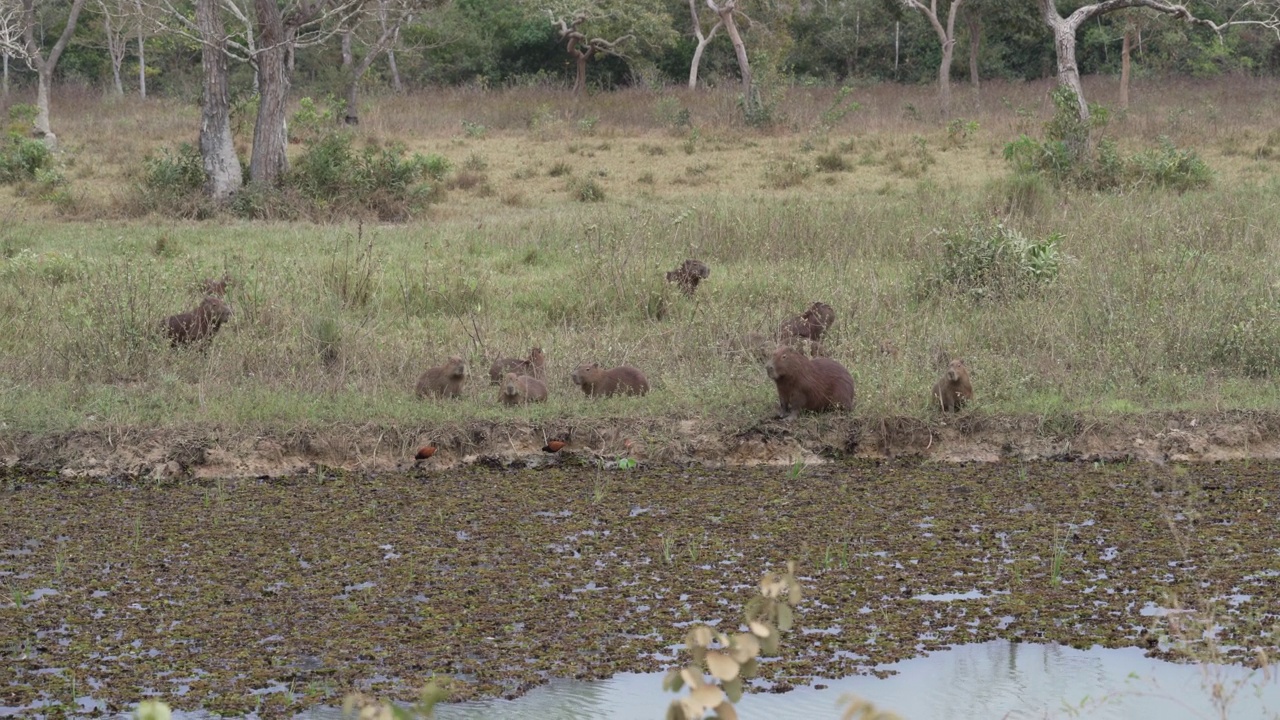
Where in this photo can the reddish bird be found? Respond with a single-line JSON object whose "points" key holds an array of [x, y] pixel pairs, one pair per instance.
{"points": [[425, 452], [553, 446]]}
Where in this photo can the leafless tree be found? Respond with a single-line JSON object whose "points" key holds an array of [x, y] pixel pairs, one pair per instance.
{"points": [[726, 11], [582, 48], [946, 37]]}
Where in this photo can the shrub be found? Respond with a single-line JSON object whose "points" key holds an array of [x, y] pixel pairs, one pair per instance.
{"points": [[1248, 339], [586, 190], [786, 171], [985, 261], [172, 183], [831, 162], [22, 157], [337, 179], [1169, 167]]}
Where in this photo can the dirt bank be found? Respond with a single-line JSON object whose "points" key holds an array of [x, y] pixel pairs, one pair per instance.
{"points": [[217, 451]]}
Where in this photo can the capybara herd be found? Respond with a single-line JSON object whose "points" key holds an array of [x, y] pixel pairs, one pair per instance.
{"points": [[805, 383]]}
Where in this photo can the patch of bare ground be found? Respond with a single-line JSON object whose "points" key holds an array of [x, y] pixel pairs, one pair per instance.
{"points": [[212, 451]]}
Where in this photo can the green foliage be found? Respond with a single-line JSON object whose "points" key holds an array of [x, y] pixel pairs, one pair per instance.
{"points": [[1248, 339], [311, 123], [586, 190], [172, 183], [1068, 157], [338, 179], [995, 261], [959, 131], [473, 129], [22, 157]]}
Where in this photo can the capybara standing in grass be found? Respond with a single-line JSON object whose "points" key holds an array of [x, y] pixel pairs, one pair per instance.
{"points": [[624, 379], [953, 389], [533, 366], [817, 385], [522, 389], [444, 380], [199, 325]]}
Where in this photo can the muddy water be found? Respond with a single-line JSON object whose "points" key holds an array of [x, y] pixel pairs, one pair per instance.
{"points": [[276, 596]]}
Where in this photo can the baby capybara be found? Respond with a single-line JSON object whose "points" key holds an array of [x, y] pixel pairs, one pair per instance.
{"points": [[803, 384], [199, 325], [444, 380], [953, 389], [522, 389], [688, 275], [533, 366], [624, 379]]}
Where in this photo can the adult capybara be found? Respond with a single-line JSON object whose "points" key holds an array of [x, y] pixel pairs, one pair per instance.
{"points": [[811, 324], [624, 379], [217, 287], [534, 366], [522, 389], [803, 384], [953, 389], [444, 380], [688, 275], [199, 325]]}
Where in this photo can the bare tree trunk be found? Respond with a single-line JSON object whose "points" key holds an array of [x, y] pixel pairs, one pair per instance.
{"points": [[116, 46], [6, 75], [975, 46], [946, 38], [580, 80], [396, 86], [217, 150], [45, 66], [750, 96], [702, 43], [269, 161], [142, 65], [1124, 69], [348, 58]]}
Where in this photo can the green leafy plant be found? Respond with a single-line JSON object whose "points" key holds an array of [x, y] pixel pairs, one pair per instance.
{"points": [[994, 261], [731, 659]]}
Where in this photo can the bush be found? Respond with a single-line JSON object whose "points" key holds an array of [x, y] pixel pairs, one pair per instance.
{"points": [[22, 157], [338, 180], [1169, 167], [985, 261], [1248, 339], [172, 183]]}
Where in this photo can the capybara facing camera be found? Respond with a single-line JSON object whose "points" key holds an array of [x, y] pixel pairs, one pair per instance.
{"points": [[953, 389], [522, 389], [198, 325], [595, 380], [443, 380], [688, 275], [815, 385]]}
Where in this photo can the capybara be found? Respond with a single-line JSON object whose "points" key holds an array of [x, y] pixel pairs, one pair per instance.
{"points": [[624, 379], [688, 275], [803, 384], [533, 366], [199, 325], [953, 389], [522, 389], [444, 380], [217, 287], [811, 324]]}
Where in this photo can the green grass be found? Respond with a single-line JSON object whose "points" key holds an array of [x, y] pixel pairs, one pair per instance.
{"points": [[1164, 300]]}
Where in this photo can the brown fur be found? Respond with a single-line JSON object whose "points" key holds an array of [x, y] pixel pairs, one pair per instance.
{"points": [[624, 379], [816, 385], [198, 325], [953, 389], [811, 324], [533, 366], [217, 287], [522, 389], [443, 380], [688, 275]]}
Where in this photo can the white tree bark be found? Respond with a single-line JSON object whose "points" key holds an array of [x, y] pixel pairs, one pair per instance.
{"points": [[703, 40], [725, 10]]}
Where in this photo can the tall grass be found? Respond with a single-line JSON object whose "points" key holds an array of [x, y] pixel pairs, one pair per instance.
{"points": [[1162, 300]]}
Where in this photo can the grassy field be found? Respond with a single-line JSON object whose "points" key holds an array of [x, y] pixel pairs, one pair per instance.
{"points": [[1164, 300]]}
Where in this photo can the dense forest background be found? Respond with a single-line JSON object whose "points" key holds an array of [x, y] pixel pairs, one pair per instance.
{"points": [[495, 43]]}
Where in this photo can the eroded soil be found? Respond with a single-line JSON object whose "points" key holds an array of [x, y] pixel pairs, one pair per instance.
{"points": [[277, 594]]}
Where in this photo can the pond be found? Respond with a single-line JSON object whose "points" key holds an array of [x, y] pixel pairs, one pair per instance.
{"points": [[277, 596]]}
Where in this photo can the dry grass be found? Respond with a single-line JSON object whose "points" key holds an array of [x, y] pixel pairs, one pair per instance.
{"points": [[1164, 301]]}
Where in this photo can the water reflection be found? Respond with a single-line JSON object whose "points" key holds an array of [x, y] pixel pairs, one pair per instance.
{"points": [[984, 681]]}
